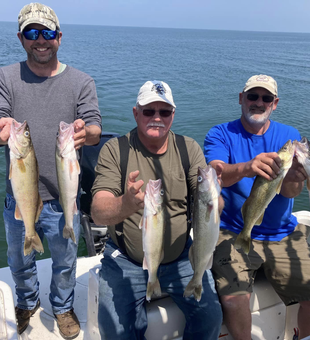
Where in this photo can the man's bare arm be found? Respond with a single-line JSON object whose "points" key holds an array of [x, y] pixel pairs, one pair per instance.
{"points": [[266, 165], [109, 210]]}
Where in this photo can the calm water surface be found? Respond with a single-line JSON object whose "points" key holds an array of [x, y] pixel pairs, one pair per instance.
{"points": [[206, 70]]}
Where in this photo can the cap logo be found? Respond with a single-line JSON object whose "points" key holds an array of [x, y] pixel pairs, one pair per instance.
{"points": [[159, 88], [262, 78]]}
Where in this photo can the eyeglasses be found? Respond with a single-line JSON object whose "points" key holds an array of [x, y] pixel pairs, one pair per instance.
{"points": [[151, 113], [33, 34], [254, 96]]}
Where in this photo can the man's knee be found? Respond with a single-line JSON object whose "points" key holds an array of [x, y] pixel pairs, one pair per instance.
{"points": [[235, 301]]}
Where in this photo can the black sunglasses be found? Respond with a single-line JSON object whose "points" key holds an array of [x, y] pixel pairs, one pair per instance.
{"points": [[151, 113], [254, 96], [33, 34]]}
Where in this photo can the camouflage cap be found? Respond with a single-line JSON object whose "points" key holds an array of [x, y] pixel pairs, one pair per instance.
{"points": [[36, 13]]}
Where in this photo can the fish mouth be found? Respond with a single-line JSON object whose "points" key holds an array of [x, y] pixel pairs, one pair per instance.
{"points": [[14, 143]]}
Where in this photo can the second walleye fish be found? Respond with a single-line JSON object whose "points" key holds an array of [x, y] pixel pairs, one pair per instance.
{"points": [[153, 228], [68, 170], [262, 193], [206, 221]]}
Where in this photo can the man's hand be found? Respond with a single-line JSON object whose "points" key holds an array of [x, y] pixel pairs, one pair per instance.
{"points": [[79, 133], [266, 165], [134, 197], [5, 130]]}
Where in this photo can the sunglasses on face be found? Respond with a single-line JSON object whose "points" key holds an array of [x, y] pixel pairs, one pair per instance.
{"points": [[151, 113], [254, 96], [33, 34]]}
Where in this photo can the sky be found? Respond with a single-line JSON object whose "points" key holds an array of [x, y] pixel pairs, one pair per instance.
{"points": [[244, 15]]}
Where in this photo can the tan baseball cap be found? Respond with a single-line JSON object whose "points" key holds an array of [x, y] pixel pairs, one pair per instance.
{"points": [[36, 13], [264, 81], [155, 91]]}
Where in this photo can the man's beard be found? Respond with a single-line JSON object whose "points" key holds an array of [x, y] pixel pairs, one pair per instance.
{"points": [[257, 119]]}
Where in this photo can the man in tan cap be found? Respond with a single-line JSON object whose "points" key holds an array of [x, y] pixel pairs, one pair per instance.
{"points": [[44, 91], [246, 148], [154, 152]]}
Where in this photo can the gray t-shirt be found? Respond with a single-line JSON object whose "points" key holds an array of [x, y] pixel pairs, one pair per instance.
{"points": [[43, 102]]}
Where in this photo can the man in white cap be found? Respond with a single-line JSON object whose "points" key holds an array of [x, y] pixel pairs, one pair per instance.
{"points": [[44, 91], [246, 148], [125, 166]]}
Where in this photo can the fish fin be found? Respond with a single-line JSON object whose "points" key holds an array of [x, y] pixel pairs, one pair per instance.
{"points": [[78, 166], [243, 242], [153, 288], [21, 165], [10, 174], [68, 232], [40, 207], [242, 211], [191, 256], [279, 187], [209, 265], [260, 219], [71, 169], [193, 289], [75, 209], [144, 265], [33, 242], [17, 215], [208, 211], [141, 222]]}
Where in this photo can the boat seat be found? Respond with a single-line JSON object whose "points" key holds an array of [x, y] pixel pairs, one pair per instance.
{"points": [[167, 319]]}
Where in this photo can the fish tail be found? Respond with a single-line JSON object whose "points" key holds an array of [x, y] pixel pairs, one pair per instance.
{"points": [[31, 243], [153, 288], [68, 232], [243, 242], [193, 289]]}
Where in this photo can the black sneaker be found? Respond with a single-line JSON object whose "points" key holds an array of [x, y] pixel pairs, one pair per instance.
{"points": [[23, 317]]}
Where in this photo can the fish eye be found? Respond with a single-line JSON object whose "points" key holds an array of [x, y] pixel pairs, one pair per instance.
{"points": [[162, 192], [26, 134], [199, 179]]}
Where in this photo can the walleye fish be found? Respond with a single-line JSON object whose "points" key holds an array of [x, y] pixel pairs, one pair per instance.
{"points": [[68, 170], [262, 193], [152, 224], [206, 221], [302, 153], [24, 176]]}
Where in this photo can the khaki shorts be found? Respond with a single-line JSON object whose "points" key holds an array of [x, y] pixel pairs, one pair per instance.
{"points": [[286, 264]]}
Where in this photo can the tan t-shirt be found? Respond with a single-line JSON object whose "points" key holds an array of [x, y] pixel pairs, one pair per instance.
{"points": [[168, 167]]}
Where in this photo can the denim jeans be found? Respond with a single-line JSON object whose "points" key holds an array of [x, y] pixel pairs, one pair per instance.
{"points": [[122, 289], [63, 254]]}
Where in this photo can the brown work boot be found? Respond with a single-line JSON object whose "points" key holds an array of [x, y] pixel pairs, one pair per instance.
{"points": [[68, 324], [23, 317]]}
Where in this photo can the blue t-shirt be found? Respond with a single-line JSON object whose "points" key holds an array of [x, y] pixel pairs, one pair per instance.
{"points": [[231, 143]]}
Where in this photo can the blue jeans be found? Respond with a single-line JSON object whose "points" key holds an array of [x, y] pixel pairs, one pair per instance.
{"points": [[122, 289], [63, 254]]}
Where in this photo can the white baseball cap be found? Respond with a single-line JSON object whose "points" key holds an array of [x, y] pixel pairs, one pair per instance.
{"points": [[155, 91], [264, 81]]}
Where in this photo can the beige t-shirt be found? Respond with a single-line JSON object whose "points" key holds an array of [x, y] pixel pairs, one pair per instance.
{"points": [[168, 167]]}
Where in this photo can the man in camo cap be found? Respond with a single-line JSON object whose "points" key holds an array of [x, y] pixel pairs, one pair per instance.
{"points": [[45, 92]]}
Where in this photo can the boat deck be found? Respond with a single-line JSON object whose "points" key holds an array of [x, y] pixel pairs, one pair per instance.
{"points": [[43, 324]]}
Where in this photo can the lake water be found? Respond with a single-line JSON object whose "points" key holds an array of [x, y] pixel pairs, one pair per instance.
{"points": [[206, 70]]}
